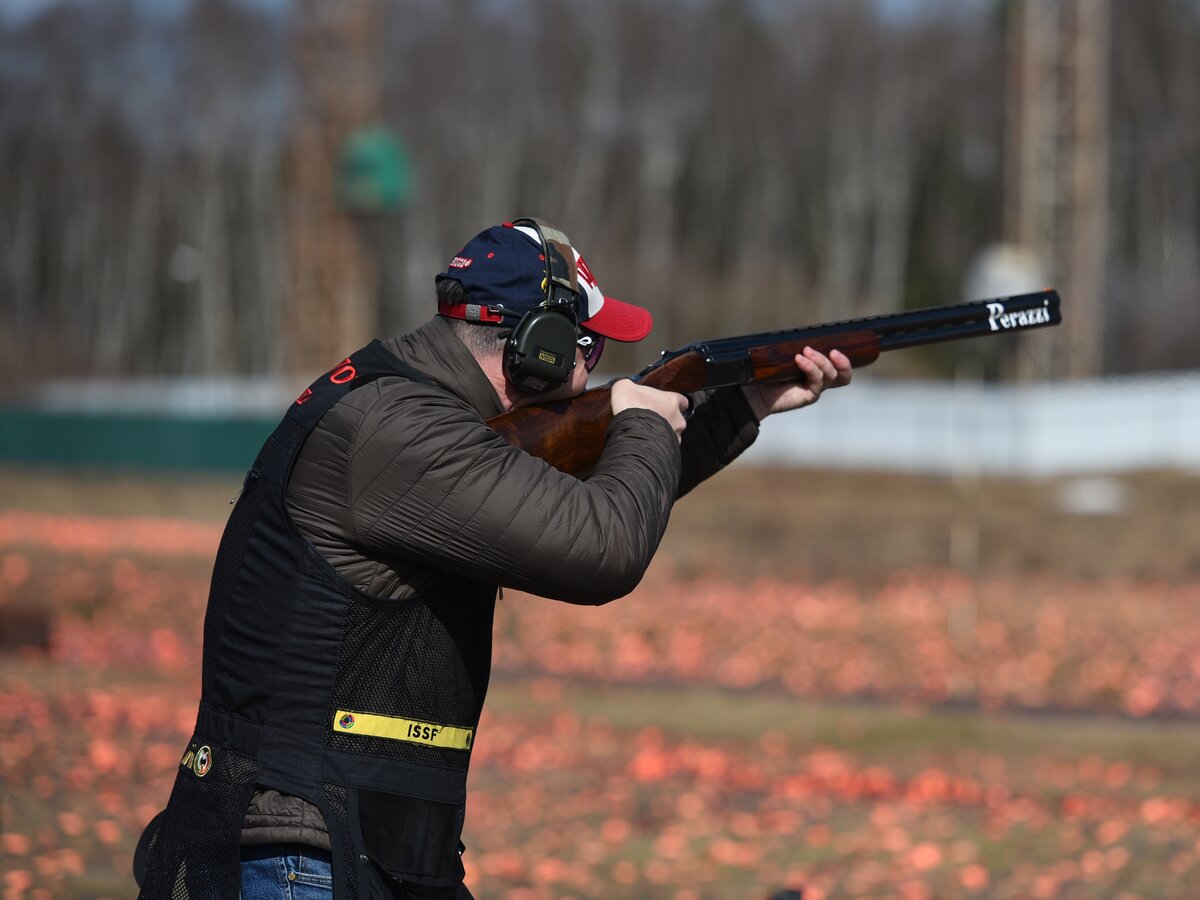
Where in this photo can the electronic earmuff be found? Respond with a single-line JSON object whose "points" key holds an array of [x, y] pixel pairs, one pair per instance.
{"points": [[540, 354]]}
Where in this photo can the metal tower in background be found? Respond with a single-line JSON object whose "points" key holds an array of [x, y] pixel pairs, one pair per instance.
{"points": [[1056, 188], [330, 300]]}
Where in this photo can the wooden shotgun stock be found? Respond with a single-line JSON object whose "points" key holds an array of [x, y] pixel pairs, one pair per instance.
{"points": [[569, 434]]}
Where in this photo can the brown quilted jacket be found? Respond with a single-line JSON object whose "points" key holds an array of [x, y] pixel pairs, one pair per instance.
{"points": [[401, 481]]}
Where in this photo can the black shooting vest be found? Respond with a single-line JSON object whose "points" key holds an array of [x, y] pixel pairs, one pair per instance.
{"points": [[364, 707]]}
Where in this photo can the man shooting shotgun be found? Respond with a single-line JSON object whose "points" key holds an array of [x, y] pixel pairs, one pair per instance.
{"points": [[347, 642]]}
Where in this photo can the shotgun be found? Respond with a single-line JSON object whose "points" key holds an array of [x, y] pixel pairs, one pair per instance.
{"points": [[569, 434]]}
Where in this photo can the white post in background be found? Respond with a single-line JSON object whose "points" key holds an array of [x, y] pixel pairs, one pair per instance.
{"points": [[966, 525]]}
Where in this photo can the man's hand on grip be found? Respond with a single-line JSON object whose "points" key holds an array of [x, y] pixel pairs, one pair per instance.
{"points": [[671, 406], [817, 372]]}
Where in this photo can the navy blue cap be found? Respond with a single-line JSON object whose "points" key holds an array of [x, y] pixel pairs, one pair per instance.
{"points": [[503, 266]]}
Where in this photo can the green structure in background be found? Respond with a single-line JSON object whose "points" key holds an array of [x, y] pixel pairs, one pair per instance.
{"points": [[374, 174], [129, 441]]}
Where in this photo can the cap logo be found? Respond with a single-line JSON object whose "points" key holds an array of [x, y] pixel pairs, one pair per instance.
{"points": [[581, 268], [460, 262]]}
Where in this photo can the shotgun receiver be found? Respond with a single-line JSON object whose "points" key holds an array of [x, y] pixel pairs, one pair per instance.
{"points": [[569, 434]]}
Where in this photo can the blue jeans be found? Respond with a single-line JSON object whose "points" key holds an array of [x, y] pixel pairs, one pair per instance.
{"points": [[286, 872]]}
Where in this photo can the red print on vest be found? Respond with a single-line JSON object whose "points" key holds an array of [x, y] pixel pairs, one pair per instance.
{"points": [[343, 373]]}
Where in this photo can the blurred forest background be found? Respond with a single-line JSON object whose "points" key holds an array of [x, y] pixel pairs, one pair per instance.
{"points": [[923, 671], [166, 207]]}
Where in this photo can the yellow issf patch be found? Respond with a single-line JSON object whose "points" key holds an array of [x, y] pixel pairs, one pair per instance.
{"points": [[393, 728]]}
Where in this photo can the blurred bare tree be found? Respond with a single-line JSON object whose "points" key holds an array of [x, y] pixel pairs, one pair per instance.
{"points": [[333, 284], [1057, 185], [735, 165]]}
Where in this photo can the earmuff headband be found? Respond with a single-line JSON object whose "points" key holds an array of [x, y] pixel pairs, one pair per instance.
{"points": [[560, 265]]}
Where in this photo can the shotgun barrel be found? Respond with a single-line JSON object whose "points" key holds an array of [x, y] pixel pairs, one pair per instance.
{"points": [[569, 434]]}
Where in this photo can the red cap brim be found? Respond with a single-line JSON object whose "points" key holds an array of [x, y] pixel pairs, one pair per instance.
{"points": [[620, 321]]}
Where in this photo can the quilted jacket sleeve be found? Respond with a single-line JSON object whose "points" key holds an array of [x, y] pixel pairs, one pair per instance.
{"points": [[432, 483]]}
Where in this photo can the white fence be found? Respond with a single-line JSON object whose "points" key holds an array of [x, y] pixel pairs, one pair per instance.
{"points": [[1060, 428]]}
